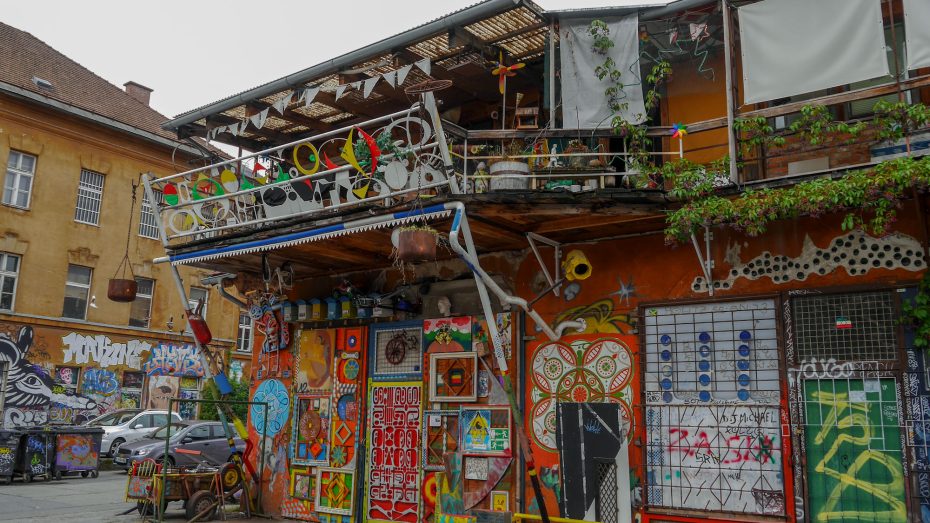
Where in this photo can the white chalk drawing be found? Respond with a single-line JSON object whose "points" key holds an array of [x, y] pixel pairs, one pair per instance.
{"points": [[101, 350], [856, 251]]}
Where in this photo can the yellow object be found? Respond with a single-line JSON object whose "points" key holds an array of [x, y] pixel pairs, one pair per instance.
{"points": [[576, 266]]}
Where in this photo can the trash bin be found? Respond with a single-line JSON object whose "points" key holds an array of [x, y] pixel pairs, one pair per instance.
{"points": [[77, 449], [9, 443], [35, 454]]}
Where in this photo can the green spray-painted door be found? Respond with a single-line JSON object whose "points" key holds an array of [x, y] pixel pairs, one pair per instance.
{"points": [[853, 442]]}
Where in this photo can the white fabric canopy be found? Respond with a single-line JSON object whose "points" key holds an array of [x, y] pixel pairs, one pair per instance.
{"points": [[917, 33], [792, 47], [584, 105]]}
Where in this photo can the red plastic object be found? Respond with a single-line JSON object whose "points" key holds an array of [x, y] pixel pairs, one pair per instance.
{"points": [[199, 328]]}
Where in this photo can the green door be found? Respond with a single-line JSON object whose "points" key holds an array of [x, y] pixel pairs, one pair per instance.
{"points": [[853, 450]]}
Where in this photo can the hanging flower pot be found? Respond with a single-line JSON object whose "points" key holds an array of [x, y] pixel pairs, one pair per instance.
{"points": [[416, 244], [121, 290]]}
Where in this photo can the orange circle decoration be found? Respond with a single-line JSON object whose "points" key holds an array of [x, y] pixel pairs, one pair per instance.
{"points": [[430, 490], [314, 157]]}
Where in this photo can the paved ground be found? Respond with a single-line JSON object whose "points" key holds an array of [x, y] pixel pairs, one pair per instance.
{"points": [[74, 499]]}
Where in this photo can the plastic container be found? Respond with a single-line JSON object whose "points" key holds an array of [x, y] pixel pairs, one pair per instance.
{"points": [[9, 445], [77, 449], [35, 456]]}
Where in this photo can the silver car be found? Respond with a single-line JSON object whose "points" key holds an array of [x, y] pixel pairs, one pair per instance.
{"points": [[127, 425], [190, 443]]}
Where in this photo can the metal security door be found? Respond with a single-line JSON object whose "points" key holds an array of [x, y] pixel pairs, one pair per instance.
{"points": [[853, 448]]}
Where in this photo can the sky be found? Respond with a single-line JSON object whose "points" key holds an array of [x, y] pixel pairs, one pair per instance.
{"points": [[195, 52]]}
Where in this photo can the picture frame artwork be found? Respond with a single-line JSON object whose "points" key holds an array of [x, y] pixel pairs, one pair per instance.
{"points": [[453, 377], [486, 430]]}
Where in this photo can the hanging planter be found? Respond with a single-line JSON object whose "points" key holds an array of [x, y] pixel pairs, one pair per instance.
{"points": [[120, 288], [416, 243]]}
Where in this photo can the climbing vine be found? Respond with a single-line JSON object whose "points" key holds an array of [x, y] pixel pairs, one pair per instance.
{"points": [[916, 312], [870, 197]]}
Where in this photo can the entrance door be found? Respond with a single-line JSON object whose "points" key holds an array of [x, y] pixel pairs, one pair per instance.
{"points": [[853, 448]]}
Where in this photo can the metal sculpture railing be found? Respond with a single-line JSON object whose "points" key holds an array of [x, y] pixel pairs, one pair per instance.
{"points": [[383, 161]]}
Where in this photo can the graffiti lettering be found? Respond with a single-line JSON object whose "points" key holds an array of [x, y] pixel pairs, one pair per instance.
{"points": [[173, 360], [100, 381], [101, 350]]}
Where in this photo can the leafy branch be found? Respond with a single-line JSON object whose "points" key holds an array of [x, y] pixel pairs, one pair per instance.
{"points": [[916, 312]]}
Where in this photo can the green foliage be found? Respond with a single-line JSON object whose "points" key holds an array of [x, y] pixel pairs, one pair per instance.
{"points": [[916, 312], [385, 144], [756, 132], [894, 120], [816, 124], [240, 393], [870, 197]]}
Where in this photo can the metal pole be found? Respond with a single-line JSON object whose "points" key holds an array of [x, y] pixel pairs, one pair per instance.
{"points": [[552, 34], [897, 70], [728, 66]]}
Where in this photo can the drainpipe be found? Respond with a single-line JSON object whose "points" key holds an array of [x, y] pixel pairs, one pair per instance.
{"points": [[217, 280]]}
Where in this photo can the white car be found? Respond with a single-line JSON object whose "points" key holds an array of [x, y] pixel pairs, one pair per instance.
{"points": [[127, 425]]}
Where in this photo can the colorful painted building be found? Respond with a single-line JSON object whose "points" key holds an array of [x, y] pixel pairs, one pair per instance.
{"points": [[567, 351], [73, 146]]}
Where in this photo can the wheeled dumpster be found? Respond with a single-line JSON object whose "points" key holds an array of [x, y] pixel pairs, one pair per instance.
{"points": [[36, 453], [77, 450], [9, 444]]}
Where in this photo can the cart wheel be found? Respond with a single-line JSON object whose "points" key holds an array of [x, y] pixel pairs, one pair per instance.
{"points": [[6, 480], [145, 509], [199, 502], [27, 477], [84, 473], [94, 474], [231, 476], [57, 475]]}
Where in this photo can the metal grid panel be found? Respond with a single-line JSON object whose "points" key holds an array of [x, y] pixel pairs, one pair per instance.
{"points": [[607, 492], [409, 365], [90, 192], [846, 327], [147, 226]]}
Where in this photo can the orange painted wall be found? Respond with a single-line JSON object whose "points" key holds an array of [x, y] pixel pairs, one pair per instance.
{"points": [[693, 96]]}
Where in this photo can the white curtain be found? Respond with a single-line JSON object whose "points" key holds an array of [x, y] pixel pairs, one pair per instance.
{"points": [[917, 33], [792, 47], [584, 105]]}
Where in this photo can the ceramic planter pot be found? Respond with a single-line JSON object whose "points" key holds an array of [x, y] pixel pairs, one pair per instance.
{"points": [[416, 245]]}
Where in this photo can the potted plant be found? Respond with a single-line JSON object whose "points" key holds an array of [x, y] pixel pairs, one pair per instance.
{"points": [[416, 243], [507, 173], [577, 147]]}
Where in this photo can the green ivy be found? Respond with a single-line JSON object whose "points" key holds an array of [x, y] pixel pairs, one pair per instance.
{"points": [[870, 197], [916, 312], [894, 120], [756, 132], [816, 124]]}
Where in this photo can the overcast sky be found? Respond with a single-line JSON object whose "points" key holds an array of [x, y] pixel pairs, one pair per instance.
{"points": [[194, 52]]}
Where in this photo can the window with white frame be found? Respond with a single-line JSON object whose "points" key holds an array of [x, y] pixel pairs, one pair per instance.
{"points": [[77, 290], [141, 310], [9, 274], [90, 193], [17, 186], [244, 339], [147, 226], [194, 297]]}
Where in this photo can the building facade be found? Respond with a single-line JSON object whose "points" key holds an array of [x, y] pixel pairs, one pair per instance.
{"points": [[73, 147]]}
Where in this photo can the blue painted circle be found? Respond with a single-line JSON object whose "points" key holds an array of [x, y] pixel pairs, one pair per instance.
{"points": [[743, 380], [353, 342], [744, 350], [704, 379], [704, 350], [704, 337], [742, 365], [667, 397], [666, 384], [745, 336], [276, 395], [666, 355], [665, 339], [743, 394], [704, 365], [704, 395]]}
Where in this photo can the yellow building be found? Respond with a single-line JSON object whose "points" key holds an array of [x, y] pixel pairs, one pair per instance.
{"points": [[73, 146]]}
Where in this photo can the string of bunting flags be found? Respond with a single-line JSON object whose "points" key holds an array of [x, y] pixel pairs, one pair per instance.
{"points": [[306, 95]]}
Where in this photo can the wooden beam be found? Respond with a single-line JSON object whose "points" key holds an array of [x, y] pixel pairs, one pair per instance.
{"points": [[587, 222]]}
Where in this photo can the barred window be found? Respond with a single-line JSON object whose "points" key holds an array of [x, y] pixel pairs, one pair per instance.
{"points": [[90, 192], [147, 226]]}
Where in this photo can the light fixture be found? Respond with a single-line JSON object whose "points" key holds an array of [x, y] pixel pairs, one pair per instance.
{"points": [[93, 302], [576, 266]]}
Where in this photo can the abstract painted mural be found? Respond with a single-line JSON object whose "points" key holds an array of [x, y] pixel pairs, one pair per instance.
{"points": [[392, 490]]}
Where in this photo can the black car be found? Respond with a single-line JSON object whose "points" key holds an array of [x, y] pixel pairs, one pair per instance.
{"points": [[189, 443]]}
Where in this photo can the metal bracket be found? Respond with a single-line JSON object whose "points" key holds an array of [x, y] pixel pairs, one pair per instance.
{"points": [[554, 284], [706, 261]]}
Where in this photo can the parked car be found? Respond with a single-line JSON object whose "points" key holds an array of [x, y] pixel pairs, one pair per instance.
{"points": [[189, 443], [127, 425]]}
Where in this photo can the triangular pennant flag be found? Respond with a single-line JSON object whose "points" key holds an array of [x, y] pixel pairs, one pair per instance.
{"points": [[356, 85], [390, 77], [370, 85], [258, 119], [309, 95], [340, 90], [282, 104], [402, 74], [424, 65]]}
